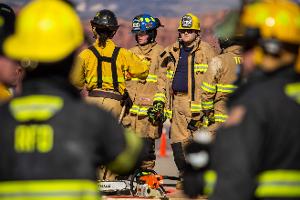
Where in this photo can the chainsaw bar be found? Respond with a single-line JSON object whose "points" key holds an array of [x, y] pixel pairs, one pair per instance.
{"points": [[113, 186]]}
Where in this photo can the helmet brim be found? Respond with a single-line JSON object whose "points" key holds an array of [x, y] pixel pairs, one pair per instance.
{"points": [[14, 47]]}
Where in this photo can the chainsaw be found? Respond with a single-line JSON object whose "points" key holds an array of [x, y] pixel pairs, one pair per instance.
{"points": [[142, 183]]}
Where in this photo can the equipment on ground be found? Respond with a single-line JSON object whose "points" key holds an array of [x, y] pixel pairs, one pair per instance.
{"points": [[142, 183]]}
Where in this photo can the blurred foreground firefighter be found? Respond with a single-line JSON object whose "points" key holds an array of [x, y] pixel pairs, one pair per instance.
{"points": [[51, 141], [222, 72], [256, 153], [103, 67], [144, 28], [10, 71], [182, 66]]}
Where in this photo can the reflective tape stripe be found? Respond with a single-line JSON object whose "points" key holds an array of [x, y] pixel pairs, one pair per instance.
{"points": [[238, 60], [159, 97], [49, 189], [134, 109], [207, 104], [201, 67], [220, 118], [208, 87], [170, 74], [35, 107], [137, 110], [168, 113], [143, 111], [195, 108], [278, 183], [293, 91], [210, 179], [151, 78], [226, 88]]}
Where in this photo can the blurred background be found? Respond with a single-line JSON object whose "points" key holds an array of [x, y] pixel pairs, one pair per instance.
{"points": [[169, 12]]}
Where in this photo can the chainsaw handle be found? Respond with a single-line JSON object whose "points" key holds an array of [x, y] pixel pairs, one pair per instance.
{"points": [[175, 178]]}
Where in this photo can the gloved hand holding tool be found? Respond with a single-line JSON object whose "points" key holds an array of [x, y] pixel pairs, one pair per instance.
{"points": [[156, 113]]}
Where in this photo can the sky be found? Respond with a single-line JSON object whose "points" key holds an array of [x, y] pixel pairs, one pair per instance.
{"points": [[128, 8]]}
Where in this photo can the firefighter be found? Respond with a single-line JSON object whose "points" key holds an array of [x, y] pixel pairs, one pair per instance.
{"points": [[51, 141], [103, 67], [144, 28], [256, 153], [182, 66], [9, 69], [218, 81]]}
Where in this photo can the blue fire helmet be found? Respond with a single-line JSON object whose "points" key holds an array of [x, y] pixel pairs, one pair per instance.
{"points": [[144, 22]]}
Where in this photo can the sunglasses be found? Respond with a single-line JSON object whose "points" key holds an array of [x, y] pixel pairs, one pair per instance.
{"points": [[189, 31]]}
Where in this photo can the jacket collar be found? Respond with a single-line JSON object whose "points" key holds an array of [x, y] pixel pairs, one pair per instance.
{"points": [[236, 49], [145, 49], [195, 45], [109, 44]]}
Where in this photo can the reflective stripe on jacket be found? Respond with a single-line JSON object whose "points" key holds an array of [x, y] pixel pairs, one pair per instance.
{"points": [[218, 81], [270, 184], [52, 189], [142, 91], [278, 183], [168, 63]]}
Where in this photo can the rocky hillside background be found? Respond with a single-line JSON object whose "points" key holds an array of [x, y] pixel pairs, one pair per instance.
{"points": [[210, 13], [167, 34]]}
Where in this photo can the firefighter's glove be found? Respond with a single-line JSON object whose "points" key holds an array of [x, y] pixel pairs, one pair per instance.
{"points": [[198, 161], [209, 116], [193, 125], [156, 114]]}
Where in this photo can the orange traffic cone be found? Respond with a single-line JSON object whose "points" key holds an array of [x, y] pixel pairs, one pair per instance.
{"points": [[163, 144]]}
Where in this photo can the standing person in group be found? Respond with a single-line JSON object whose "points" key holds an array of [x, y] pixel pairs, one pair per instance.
{"points": [[256, 153], [51, 142], [222, 72], [10, 71], [182, 66], [103, 67], [144, 28]]}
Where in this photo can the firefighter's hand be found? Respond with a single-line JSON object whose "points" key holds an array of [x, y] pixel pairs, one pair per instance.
{"points": [[198, 160], [128, 76], [84, 92], [156, 114], [193, 125], [209, 115]]}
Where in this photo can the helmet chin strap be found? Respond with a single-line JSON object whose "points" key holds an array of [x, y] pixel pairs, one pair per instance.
{"points": [[94, 32]]}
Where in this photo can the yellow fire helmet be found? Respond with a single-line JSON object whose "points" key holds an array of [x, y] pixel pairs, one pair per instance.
{"points": [[46, 31], [189, 21], [275, 19]]}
